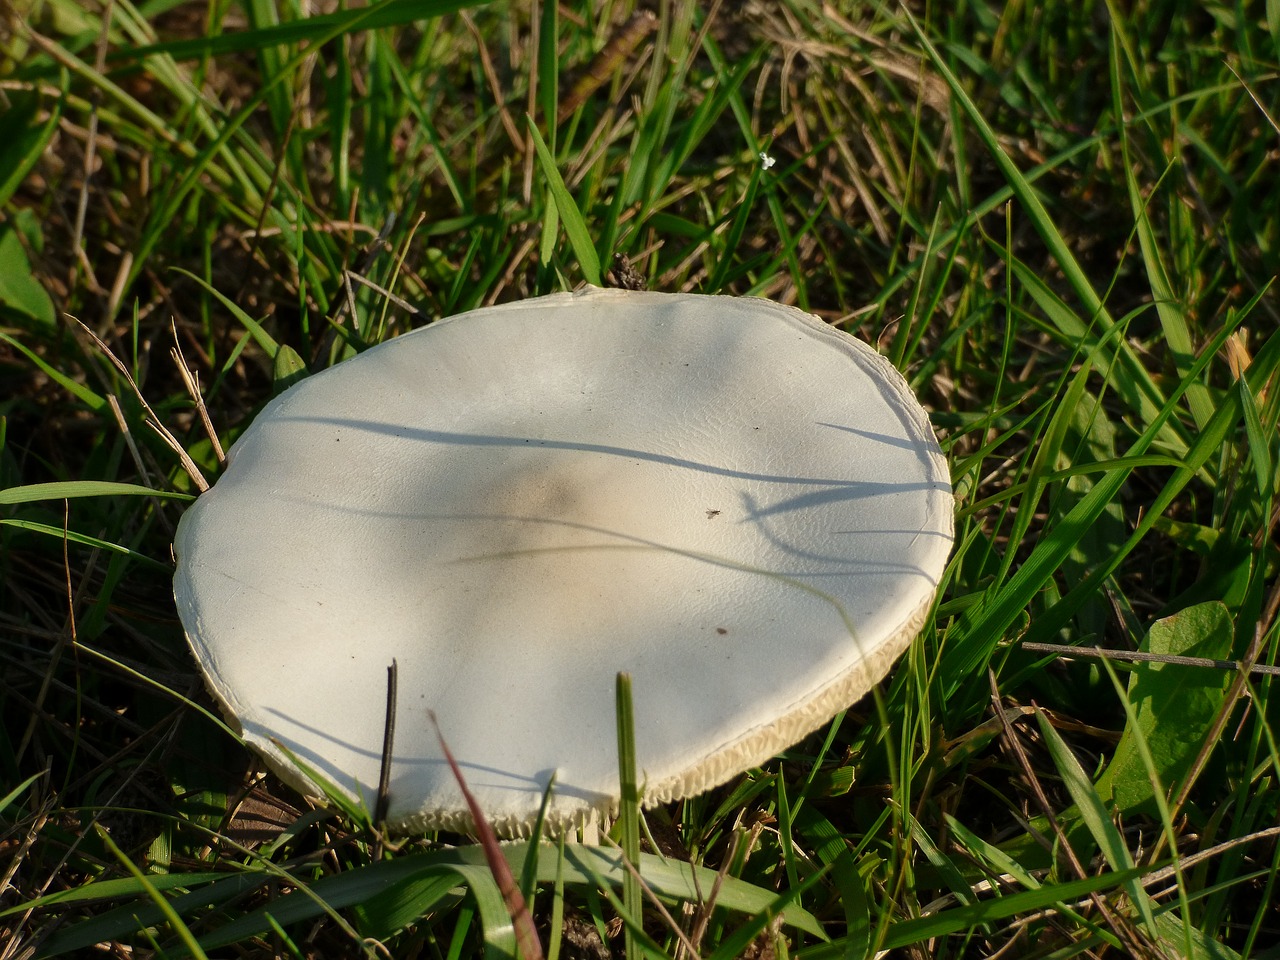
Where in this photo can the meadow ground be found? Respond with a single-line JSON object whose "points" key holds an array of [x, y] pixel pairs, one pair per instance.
{"points": [[1058, 220]]}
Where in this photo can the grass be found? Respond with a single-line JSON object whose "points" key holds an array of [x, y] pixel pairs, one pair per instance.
{"points": [[1059, 220]]}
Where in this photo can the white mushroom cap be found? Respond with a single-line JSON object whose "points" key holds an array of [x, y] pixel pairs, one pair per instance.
{"points": [[737, 504]]}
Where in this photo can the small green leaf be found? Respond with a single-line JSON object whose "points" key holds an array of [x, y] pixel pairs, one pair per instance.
{"points": [[20, 291], [289, 368]]}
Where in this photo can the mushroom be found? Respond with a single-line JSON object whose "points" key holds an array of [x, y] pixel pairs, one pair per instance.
{"points": [[739, 505]]}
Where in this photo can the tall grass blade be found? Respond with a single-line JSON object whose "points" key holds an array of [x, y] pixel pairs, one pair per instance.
{"points": [[629, 812], [159, 899], [574, 225], [71, 489], [1095, 816], [393, 13]]}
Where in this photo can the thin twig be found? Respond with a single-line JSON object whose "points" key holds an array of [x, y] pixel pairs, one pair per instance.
{"points": [[706, 909], [383, 291], [134, 454], [1101, 653]]}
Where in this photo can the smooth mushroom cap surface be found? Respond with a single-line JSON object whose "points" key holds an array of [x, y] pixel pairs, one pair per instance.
{"points": [[739, 505]]}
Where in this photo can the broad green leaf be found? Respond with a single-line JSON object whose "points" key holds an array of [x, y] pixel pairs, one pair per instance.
{"points": [[404, 902], [1174, 935], [581, 865], [1174, 705]]}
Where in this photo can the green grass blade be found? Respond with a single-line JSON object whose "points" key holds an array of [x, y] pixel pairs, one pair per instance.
{"points": [[673, 881], [1095, 815], [82, 393], [737, 943], [1259, 445], [1139, 388], [7, 799], [72, 489], [629, 809], [97, 891], [130, 918], [947, 922], [59, 533], [548, 69], [1207, 445], [574, 225], [22, 139], [161, 901], [1173, 319], [393, 13]]}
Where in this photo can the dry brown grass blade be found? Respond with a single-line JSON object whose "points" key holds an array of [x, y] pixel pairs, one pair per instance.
{"points": [[151, 419], [191, 381], [526, 934], [500, 97]]}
